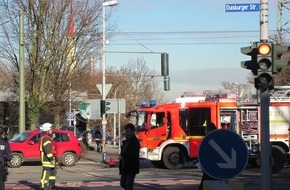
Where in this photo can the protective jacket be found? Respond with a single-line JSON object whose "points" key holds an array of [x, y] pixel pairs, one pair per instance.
{"points": [[47, 151]]}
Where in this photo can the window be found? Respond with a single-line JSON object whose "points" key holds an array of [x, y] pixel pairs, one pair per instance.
{"points": [[20, 137], [60, 137], [193, 120], [141, 121], [36, 138], [198, 118], [184, 119], [157, 120]]}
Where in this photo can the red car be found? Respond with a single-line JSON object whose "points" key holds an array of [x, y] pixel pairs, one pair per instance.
{"points": [[25, 147]]}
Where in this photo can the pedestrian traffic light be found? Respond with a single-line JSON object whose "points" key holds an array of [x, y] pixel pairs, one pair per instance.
{"points": [[278, 62], [108, 106], [264, 78], [250, 64], [166, 83], [105, 106]]}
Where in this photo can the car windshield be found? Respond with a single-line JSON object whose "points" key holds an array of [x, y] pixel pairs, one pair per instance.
{"points": [[20, 137]]}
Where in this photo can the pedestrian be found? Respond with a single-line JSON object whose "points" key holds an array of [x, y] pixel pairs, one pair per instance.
{"points": [[48, 160], [5, 155], [99, 140], [3, 136], [209, 127], [129, 158]]}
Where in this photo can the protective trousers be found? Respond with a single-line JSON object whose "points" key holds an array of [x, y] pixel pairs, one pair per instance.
{"points": [[48, 178]]}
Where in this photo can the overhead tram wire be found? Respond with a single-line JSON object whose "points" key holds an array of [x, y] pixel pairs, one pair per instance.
{"points": [[191, 32], [159, 36], [184, 43], [138, 42]]}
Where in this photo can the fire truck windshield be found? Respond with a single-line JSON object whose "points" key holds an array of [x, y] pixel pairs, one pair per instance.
{"points": [[141, 121]]}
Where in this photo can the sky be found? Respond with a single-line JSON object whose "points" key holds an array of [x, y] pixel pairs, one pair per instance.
{"points": [[202, 39]]}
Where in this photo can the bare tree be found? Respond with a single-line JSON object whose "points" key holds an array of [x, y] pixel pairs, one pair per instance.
{"points": [[50, 65], [139, 83]]}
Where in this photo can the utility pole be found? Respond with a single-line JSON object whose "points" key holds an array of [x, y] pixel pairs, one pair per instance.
{"points": [[282, 25], [21, 74]]}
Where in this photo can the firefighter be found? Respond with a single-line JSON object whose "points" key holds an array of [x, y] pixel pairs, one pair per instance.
{"points": [[5, 155], [48, 160]]}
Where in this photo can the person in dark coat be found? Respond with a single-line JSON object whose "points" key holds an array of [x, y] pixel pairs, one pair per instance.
{"points": [[5, 155], [209, 127], [129, 158]]}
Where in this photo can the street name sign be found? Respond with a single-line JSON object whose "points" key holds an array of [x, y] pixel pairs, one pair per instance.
{"points": [[223, 154], [249, 7]]}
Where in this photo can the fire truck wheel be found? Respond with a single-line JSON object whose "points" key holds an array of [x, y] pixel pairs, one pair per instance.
{"points": [[157, 164], [173, 158], [279, 158]]}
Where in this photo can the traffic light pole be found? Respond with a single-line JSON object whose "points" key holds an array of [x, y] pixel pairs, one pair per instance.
{"points": [[266, 172]]}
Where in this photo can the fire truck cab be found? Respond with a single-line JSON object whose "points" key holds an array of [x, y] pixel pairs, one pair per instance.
{"points": [[170, 134]]}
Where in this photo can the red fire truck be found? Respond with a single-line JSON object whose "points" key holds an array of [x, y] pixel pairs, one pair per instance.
{"points": [[170, 133]]}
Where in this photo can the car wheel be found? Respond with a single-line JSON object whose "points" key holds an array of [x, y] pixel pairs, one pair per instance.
{"points": [[16, 161], [69, 159]]}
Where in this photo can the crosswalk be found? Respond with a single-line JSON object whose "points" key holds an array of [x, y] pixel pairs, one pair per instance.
{"points": [[147, 183]]}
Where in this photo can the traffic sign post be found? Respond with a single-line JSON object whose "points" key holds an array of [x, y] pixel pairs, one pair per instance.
{"points": [[223, 154]]}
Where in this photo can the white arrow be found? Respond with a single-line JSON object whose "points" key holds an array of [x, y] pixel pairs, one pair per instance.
{"points": [[230, 162]]}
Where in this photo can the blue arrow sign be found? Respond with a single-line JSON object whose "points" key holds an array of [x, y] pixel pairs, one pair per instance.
{"points": [[249, 7], [223, 154]]}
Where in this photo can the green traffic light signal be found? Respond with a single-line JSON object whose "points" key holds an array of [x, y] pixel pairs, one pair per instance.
{"points": [[108, 106], [166, 83], [278, 62], [250, 64], [105, 106]]}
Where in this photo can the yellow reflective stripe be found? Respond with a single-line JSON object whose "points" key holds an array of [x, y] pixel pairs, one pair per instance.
{"points": [[157, 138], [46, 143], [52, 177], [48, 165], [188, 137], [42, 180], [49, 155]]}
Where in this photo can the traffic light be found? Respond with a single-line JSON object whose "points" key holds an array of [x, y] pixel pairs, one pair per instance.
{"points": [[278, 63], [264, 78], [164, 64], [250, 64], [105, 106], [166, 83]]}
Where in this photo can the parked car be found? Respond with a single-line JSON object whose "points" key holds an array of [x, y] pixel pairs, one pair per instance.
{"points": [[25, 147], [91, 137], [71, 128]]}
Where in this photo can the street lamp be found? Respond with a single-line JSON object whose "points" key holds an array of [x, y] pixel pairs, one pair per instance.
{"points": [[104, 121]]}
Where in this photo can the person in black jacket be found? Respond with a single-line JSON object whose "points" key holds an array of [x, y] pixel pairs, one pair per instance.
{"points": [[5, 155], [129, 158], [209, 127]]}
